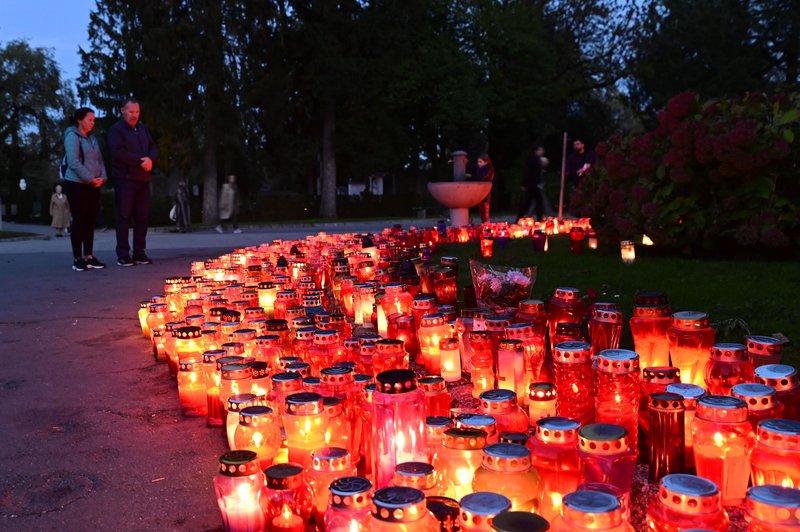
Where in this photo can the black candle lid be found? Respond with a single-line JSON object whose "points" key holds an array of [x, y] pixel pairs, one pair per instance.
{"points": [[396, 381]]}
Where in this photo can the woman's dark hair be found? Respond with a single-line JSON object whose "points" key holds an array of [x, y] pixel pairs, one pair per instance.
{"points": [[80, 114]]}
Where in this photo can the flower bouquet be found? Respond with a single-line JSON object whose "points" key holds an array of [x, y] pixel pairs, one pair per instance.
{"points": [[501, 287]]}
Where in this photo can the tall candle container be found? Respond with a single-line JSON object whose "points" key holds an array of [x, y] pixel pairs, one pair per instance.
{"points": [[666, 449], [269, 349], [723, 441], [389, 355], [326, 349], [341, 430], [606, 456], [686, 502], [192, 387], [235, 379], [764, 350], [396, 299], [284, 299], [786, 383], [433, 328], [478, 510], [214, 407], [283, 384], [445, 286], [555, 457], [280, 327], [349, 505], [575, 381], [761, 401], [399, 423], [144, 310], [590, 510], [435, 426], [305, 423], [627, 252], [506, 468], [690, 340], [168, 342], [649, 325], [238, 487], [400, 509], [457, 460], [533, 347], [565, 306], [483, 375], [511, 366], [605, 329], [237, 403], [502, 405], [260, 382], [257, 431], [776, 457], [729, 365], [617, 399], [267, 292], [568, 332], [437, 398], [419, 475], [542, 401], [327, 465], [287, 499], [690, 394], [464, 325], [772, 509], [302, 341], [450, 357]]}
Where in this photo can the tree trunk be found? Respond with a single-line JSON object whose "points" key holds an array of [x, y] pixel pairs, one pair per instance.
{"points": [[328, 207]]}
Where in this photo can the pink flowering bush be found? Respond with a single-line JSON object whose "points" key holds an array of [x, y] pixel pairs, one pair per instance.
{"points": [[711, 176]]}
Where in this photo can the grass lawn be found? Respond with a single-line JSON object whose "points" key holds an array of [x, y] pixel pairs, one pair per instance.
{"points": [[741, 297]]}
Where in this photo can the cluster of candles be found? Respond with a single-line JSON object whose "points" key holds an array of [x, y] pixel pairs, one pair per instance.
{"points": [[348, 431]]}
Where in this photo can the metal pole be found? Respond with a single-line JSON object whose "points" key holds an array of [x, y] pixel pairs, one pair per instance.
{"points": [[563, 177]]}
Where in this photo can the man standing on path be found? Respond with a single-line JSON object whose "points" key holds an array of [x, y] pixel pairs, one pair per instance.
{"points": [[133, 155]]}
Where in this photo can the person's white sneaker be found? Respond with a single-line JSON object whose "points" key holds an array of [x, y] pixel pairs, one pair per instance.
{"points": [[237, 231], [219, 229]]}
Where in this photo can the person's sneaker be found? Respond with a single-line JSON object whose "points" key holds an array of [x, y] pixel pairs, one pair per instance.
{"points": [[237, 231], [142, 259], [124, 261], [79, 264], [219, 229], [94, 264]]}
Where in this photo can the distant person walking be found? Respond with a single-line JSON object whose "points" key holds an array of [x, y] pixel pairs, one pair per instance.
{"points": [[133, 156], [59, 211], [85, 174], [532, 186], [229, 205], [183, 216], [485, 173]]}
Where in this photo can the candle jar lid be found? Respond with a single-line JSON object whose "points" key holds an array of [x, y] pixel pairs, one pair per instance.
{"points": [[592, 509], [531, 306], [519, 330], [478, 421], [764, 345], [507, 457], [498, 401], [333, 406], [519, 521], [389, 346], [431, 384], [211, 356], [572, 353], [557, 429], [757, 396], [422, 301], [230, 316], [367, 350], [420, 475], [690, 320], [448, 344], [268, 340], [191, 363], [661, 375], [303, 368], [277, 325], [396, 381], [666, 402], [284, 476], [398, 504], [304, 404], [775, 505], [330, 459], [517, 438], [780, 376], [618, 361], [569, 330], [654, 297], [238, 463], [498, 323], [432, 320], [651, 311], [689, 494], [236, 371], [156, 308], [441, 422], [305, 334], [266, 285], [256, 416], [244, 335], [238, 402], [311, 383], [603, 439], [466, 439], [363, 379], [478, 509], [326, 337], [351, 493], [348, 364], [690, 393], [337, 376], [722, 408], [568, 293], [542, 391], [729, 352], [779, 433], [510, 344], [296, 316], [260, 369], [444, 509], [286, 381], [173, 326], [607, 315]]}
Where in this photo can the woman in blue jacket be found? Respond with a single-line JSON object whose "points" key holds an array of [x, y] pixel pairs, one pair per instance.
{"points": [[85, 174]]}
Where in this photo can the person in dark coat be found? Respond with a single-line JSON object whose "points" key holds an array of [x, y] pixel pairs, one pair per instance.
{"points": [[532, 194], [183, 216], [485, 173], [579, 162]]}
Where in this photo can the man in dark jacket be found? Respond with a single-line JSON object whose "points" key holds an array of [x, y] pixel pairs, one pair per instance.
{"points": [[133, 154]]}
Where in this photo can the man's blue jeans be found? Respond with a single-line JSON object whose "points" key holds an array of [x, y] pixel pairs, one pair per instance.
{"points": [[133, 203]]}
